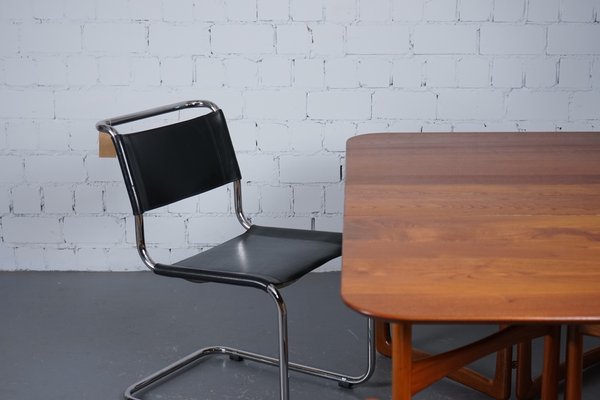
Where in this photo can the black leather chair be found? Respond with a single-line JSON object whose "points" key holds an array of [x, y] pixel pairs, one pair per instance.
{"points": [[172, 162]]}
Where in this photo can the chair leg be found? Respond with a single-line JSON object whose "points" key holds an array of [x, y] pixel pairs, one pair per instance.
{"points": [[282, 362]]}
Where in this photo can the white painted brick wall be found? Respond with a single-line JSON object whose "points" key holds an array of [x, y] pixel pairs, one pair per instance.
{"points": [[295, 78]]}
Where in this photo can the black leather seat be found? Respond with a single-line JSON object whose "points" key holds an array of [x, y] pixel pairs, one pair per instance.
{"points": [[172, 162]]}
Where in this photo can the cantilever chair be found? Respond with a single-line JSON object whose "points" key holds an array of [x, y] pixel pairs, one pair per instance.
{"points": [[171, 162]]}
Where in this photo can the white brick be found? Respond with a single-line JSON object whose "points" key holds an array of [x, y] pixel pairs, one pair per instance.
{"points": [[213, 230], [596, 73], [309, 73], [532, 106], [7, 258], [103, 169], [178, 40], [89, 259], [88, 199], [258, 168], [31, 103], [165, 230], [275, 72], [31, 230], [542, 10], [241, 72], [82, 70], [273, 10], [586, 105], [243, 135], [473, 72], [470, 104], [240, 10], [4, 200], [334, 199], [30, 258], [375, 10], [381, 39], [51, 71], [20, 71], [475, 10], [145, 71], [210, 10], [445, 39], [578, 10], [42, 10], [114, 71], [404, 104], [58, 199], [574, 39], [541, 72], [408, 73], [49, 37], [176, 11], [243, 39], [15, 9], [26, 200], [309, 169], [509, 10], [61, 259], [276, 199], [283, 222], [116, 200], [308, 199], [440, 10], [216, 201], [307, 136], [275, 104], [407, 10], [55, 168], [124, 259], [340, 10], [114, 37], [81, 137], [273, 137], [341, 73], [512, 39], [336, 134], [374, 73], [22, 134], [84, 10], [327, 39], [176, 71], [12, 169], [210, 72], [440, 72], [345, 105], [306, 10], [575, 73], [293, 39], [507, 72], [98, 230]]}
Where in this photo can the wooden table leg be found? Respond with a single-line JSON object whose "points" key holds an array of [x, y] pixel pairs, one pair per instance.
{"points": [[574, 363], [551, 364], [401, 361]]}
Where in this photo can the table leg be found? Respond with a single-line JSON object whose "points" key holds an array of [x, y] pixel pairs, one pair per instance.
{"points": [[401, 361], [551, 363], [574, 363]]}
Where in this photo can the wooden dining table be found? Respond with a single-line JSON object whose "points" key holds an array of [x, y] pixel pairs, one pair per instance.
{"points": [[472, 228]]}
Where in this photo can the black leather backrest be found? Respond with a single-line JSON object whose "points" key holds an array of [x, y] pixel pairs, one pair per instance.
{"points": [[173, 162]]}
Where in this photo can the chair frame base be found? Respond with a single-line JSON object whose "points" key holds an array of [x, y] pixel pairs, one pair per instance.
{"points": [[343, 380]]}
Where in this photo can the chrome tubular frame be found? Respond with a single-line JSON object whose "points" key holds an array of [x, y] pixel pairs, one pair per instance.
{"points": [[283, 361]]}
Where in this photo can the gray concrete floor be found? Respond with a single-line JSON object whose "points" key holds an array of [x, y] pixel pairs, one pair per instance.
{"points": [[87, 336]]}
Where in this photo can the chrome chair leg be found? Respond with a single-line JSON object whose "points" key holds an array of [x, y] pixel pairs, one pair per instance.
{"points": [[282, 362]]}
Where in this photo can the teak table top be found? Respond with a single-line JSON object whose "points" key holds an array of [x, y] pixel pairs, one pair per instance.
{"points": [[473, 227]]}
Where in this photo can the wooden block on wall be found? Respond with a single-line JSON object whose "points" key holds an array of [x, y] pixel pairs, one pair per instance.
{"points": [[106, 149]]}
